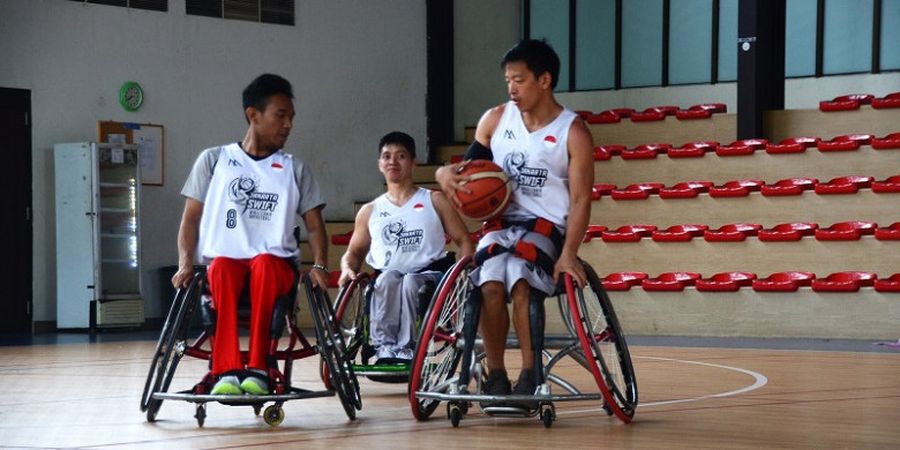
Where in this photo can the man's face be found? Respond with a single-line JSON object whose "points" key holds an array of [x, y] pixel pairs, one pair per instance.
{"points": [[395, 163], [523, 87], [273, 125]]}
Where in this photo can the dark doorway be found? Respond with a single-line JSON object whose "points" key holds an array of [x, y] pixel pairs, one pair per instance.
{"points": [[15, 202]]}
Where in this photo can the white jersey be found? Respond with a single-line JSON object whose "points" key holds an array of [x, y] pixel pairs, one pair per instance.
{"points": [[537, 163], [250, 207], [405, 238]]}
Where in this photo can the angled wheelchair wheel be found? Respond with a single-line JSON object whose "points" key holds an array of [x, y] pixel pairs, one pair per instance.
{"points": [[349, 315], [439, 347], [603, 343], [330, 344], [171, 345]]}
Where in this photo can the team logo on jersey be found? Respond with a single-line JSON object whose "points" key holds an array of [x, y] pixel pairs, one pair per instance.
{"points": [[527, 180], [418, 207], [405, 241], [508, 134], [234, 163], [277, 167], [549, 141], [243, 190]]}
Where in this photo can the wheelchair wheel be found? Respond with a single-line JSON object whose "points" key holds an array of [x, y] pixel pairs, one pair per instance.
{"points": [[330, 344], [603, 343], [171, 345], [348, 318], [439, 347]]}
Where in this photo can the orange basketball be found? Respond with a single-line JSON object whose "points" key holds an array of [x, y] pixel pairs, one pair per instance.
{"points": [[490, 190]]}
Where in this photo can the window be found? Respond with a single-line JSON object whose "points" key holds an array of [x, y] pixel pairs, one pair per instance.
{"points": [[152, 5], [266, 11]]}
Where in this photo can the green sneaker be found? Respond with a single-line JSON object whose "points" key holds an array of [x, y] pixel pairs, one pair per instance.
{"points": [[227, 385], [255, 385]]}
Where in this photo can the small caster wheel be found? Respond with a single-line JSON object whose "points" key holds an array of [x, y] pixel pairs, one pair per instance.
{"points": [[273, 415], [548, 416], [257, 408], [200, 414], [454, 414]]}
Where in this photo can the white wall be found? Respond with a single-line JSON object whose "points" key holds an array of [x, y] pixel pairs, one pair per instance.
{"points": [[358, 69]]}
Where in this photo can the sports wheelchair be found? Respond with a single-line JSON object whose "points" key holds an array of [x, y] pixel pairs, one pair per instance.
{"points": [[449, 355], [174, 344], [351, 317]]}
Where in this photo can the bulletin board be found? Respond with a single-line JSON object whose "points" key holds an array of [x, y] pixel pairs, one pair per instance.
{"points": [[149, 138]]}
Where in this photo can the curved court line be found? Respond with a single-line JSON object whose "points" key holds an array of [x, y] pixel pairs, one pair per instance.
{"points": [[760, 380]]}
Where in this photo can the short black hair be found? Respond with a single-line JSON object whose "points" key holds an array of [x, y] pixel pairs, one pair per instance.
{"points": [[537, 55], [398, 138], [258, 92]]}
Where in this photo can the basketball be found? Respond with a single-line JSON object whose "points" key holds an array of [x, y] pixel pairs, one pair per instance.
{"points": [[490, 190]]}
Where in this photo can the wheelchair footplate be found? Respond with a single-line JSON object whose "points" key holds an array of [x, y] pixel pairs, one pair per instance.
{"points": [[394, 371], [237, 400]]}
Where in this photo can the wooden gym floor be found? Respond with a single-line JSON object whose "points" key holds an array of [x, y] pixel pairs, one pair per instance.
{"points": [[86, 395]]}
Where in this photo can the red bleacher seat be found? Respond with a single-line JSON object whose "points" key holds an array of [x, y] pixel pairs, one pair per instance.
{"points": [[686, 189], [623, 281], [601, 154], [792, 145], [593, 231], [783, 281], [645, 151], [604, 117], [333, 278], [742, 147], [846, 231], [846, 102], [736, 188], [341, 239], [891, 100], [670, 281], [844, 281], [793, 231], [725, 281], [693, 149], [691, 114], [678, 233], [628, 233], [583, 114], [622, 112], [844, 185], [888, 233], [601, 189], [890, 284], [648, 115], [668, 110], [732, 232], [890, 141], [889, 184], [712, 107], [845, 142], [638, 191], [789, 186]]}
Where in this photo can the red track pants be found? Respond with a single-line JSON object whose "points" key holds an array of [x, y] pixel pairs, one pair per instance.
{"points": [[270, 277]]}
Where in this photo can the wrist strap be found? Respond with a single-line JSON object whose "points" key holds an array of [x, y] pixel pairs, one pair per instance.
{"points": [[321, 267]]}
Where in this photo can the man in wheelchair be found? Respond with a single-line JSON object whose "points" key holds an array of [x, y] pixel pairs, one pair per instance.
{"points": [[401, 234], [546, 151], [241, 206]]}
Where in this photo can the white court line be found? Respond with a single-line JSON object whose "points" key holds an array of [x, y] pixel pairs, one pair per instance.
{"points": [[760, 381]]}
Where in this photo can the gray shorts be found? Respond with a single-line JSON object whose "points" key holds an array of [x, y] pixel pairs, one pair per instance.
{"points": [[507, 268]]}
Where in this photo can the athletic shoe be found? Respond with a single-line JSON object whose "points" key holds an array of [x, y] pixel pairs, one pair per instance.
{"points": [[384, 352], [526, 386], [227, 385], [255, 383], [497, 383], [406, 354]]}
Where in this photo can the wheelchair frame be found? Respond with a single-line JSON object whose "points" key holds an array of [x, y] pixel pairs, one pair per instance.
{"points": [[448, 341], [173, 344]]}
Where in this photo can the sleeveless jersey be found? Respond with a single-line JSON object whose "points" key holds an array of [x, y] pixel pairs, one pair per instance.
{"points": [[250, 207], [405, 238], [537, 163]]}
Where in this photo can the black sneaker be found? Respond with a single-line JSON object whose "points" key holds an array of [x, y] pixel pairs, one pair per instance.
{"points": [[497, 383], [526, 386]]}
